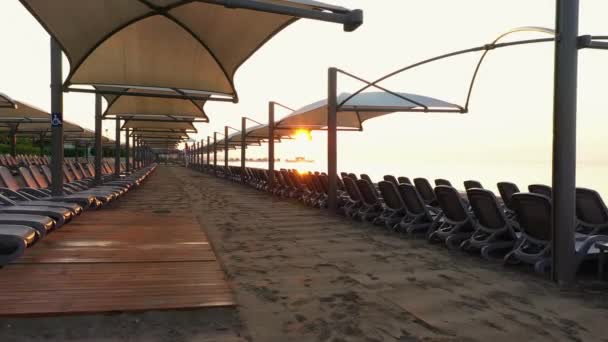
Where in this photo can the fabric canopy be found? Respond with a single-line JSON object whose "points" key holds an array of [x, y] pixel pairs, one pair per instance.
{"points": [[175, 44], [6, 102], [27, 119], [362, 107], [154, 107], [159, 126]]}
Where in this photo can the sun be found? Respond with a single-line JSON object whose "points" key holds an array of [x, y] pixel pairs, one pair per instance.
{"points": [[303, 135]]}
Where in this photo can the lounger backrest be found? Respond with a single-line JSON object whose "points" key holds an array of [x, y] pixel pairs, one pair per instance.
{"points": [[76, 172], [68, 174], [2, 160], [507, 190], [540, 189], [91, 169], [324, 183], [390, 194], [27, 177], [47, 173], [352, 190], [353, 176], [441, 181], [39, 177], [533, 214], [343, 175], [367, 191], [316, 183], [590, 207], [412, 199], [451, 204], [8, 179], [366, 177], [404, 180], [391, 178], [486, 208], [425, 190], [83, 170], [472, 184]]}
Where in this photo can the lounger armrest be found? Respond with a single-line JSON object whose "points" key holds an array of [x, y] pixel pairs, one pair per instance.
{"points": [[35, 193], [14, 195]]}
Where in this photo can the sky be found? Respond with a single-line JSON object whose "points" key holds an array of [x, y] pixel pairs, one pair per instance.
{"points": [[510, 115]]}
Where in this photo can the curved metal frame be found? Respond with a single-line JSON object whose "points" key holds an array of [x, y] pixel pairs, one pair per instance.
{"points": [[485, 48]]}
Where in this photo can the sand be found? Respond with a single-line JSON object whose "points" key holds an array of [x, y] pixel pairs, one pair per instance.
{"points": [[301, 275]]}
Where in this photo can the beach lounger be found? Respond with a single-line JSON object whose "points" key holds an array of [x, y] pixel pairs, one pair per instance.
{"points": [[103, 193], [60, 215], [366, 177], [392, 179], [372, 207], [493, 231], [404, 180], [540, 189], [507, 190], [35, 193], [456, 224], [394, 210], [472, 184], [355, 199], [14, 240], [42, 224], [591, 212], [426, 191], [441, 181], [419, 216], [534, 245]]}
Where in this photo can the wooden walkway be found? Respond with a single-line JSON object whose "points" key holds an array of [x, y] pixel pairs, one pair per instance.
{"points": [[124, 258]]}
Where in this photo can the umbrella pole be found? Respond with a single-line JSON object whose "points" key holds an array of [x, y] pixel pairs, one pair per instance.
{"points": [[564, 141], [56, 119], [332, 140]]}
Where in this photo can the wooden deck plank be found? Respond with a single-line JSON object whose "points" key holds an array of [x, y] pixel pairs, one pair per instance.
{"points": [[117, 259]]}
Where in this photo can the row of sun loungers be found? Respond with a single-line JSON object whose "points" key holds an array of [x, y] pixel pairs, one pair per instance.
{"points": [[513, 228], [29, 211]]}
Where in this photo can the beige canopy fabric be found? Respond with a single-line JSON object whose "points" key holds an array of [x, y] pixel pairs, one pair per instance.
{"points": [[6, 102], [154, 107], [162, 126], [362, 107], [26, 119], [23, 112], [176, 44]]}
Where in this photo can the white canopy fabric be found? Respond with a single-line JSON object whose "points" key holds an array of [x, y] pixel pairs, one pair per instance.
{"points": [[176, 44], [362, 107]]}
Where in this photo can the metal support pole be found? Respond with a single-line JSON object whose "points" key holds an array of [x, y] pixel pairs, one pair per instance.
{"points": [[117, 149], [56, 119], [270, 146], [226, 151], [208, 151], [202, 155], [215, 153], [243, 148], [98, 139], [564, 141], [127, 150], [13, 138], [332, 139]]}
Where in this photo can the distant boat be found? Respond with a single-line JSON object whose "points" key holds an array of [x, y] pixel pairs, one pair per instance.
{"points": [[299, 160]]}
